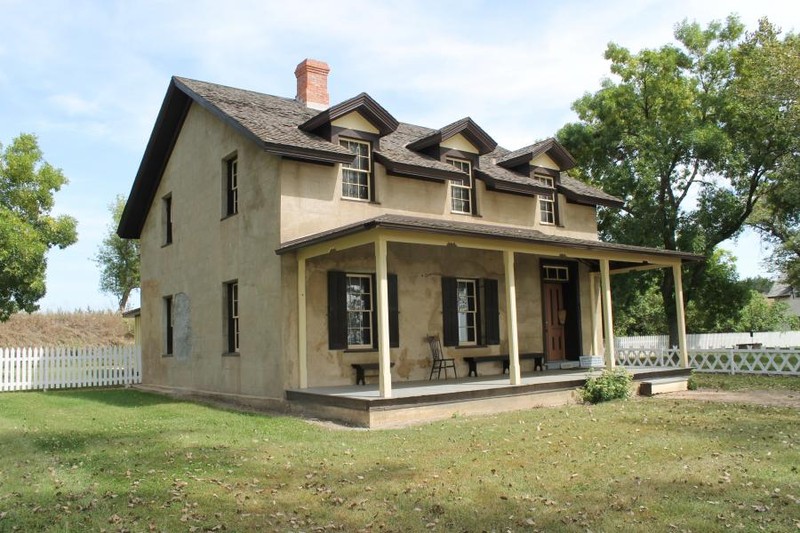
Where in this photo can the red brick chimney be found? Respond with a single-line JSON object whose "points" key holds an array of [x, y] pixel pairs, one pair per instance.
{"points": [[312, 83]]}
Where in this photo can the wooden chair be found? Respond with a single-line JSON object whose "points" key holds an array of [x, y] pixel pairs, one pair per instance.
{"points": [[439, 361]]}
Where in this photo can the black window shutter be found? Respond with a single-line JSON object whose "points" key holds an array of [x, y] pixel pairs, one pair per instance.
{"points": [[449, 311], [491, 312], [394, 313], [337, 310]]}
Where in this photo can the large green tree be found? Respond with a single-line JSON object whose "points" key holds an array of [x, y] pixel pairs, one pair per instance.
{"points": [[118, 259], [27, 227], [673, 134]]}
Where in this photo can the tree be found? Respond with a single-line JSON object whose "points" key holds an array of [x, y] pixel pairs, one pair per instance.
{"points": [[675, 136], [27, 228], [118, 259]]}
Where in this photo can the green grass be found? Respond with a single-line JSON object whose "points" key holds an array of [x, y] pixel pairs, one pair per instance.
{"points": [[127, 461], [746, 382]]}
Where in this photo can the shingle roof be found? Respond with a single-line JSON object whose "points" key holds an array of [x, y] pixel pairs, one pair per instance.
{"points": [[780, 289], [273, 123], [470, 229]]}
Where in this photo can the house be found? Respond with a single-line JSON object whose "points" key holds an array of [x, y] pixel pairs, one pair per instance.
{"points": [[284, 240], [782, 292]]}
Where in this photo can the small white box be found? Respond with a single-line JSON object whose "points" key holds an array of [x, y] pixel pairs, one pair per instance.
{"points": [[591, 361]]}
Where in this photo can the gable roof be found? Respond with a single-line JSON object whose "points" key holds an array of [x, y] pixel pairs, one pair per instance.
{"points": [[364, 104], [551, 147], [281, 126], [466, 127]]}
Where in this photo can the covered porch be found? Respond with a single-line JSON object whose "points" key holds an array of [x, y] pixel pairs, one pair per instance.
{"points": [[421, 401], [407, 236]]}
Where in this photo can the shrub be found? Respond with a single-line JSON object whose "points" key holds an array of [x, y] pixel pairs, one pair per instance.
{"points": [[610, 385], [691, 384]]}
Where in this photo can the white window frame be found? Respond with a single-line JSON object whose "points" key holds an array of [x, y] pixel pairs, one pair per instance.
{"points": [[467, 309], [356, 170], [547, 202], [359, 308], [459, 188], [555, 273]]}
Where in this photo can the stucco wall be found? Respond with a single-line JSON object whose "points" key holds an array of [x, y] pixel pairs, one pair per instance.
{"points": [[207, 251], [419, 271]]}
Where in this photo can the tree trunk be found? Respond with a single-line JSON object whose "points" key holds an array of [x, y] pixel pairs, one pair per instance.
{"points": [[124, 300], [670, 311]]}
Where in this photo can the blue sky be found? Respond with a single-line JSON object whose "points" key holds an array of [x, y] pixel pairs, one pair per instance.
{"points": [[88, 77]]}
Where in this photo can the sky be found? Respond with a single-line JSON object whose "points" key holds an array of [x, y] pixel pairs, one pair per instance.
{"points": [[88, 78]]}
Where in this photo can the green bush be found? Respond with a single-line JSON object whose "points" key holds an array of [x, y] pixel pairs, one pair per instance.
{"points": [[691, 384], [610, 385]]}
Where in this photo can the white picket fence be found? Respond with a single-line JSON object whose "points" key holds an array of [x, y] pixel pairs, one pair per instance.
{"points": [[765, 361], [64, 367], [704, 341]]}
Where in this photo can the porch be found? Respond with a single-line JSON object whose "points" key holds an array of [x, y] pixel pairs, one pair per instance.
{"points": [[424, 401]]}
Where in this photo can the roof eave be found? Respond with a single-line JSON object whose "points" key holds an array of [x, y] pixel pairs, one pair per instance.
{"points": [[419, 172]]}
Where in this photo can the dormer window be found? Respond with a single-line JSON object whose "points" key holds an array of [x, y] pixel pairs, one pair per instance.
{"points": [[547, 201], [356, 175], [461, 193]]}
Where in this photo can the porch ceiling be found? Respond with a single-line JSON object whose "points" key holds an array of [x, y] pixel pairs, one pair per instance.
{"points": [[417, 230]]}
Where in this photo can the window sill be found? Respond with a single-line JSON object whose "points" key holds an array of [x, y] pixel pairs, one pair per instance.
{"points": [[166, 244], [167, 355], [226, 217], [361, 350], [231, 354], [468, 346], [360, 200]]}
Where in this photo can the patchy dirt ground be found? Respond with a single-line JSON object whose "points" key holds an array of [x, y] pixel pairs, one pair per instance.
{"points": [[774, 398]]}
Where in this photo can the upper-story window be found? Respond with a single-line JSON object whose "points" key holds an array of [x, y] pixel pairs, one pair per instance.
{"points": [[231, 186], [547, 202], [461, 193], [356, 175]]}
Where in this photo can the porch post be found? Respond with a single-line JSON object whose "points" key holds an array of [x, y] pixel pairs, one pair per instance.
{"points": [[511, 317], [681, 315], [608, 319], [597, 313], [381, 276], [302, 342]]}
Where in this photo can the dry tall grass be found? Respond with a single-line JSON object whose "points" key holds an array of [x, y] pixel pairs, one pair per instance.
{"points": [[66, 328]]}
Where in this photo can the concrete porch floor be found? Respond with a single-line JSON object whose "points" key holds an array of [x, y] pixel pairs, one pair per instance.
{"points": [[423, 401]]}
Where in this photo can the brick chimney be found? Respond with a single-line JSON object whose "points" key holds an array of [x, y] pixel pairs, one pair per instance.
{"points": [[312, 83]]}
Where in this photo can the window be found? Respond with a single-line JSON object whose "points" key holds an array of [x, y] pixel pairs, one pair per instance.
{"points": [[356, 175], [232, 316], [352, 316], [359, 311], [167, 218], [547, 202], [467, 312], [470, 313], [232, 186], [555, 273], [461, 193], [168, 325]]}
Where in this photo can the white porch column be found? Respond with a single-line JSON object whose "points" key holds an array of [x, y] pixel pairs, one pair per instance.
{"points": [[681, 315], [511, 318], [597, 313], [302, 341], [382, 279], [608, 319]]}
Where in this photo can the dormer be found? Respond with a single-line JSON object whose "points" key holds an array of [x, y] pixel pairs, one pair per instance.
{"points": [[358, 114], [461, 138]]}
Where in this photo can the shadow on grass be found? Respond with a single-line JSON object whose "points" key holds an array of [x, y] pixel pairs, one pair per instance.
{"points": [[117, 397]]}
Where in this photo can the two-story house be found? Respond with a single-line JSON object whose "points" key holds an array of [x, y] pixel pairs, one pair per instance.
{"points": [[283, 240]]}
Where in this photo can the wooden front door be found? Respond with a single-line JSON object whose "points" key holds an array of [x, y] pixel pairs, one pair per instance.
{"points": [[554, 319]]}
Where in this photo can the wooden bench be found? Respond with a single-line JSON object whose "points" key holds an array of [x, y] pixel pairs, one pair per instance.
{"points": [[361, 368], [472, 361]]}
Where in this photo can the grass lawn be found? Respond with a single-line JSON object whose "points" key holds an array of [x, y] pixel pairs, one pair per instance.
{"points": [[120, 460], [746, 382]]}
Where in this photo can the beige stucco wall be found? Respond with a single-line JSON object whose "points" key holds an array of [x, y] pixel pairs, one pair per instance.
{"points": [[419, 272], [206, 252], [311, 202]]}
